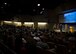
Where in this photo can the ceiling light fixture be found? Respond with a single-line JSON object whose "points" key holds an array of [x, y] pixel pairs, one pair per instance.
{"points": [[5, 3], [38, 4]]}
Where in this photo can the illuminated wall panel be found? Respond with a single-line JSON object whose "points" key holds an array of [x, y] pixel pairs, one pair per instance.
{"points": [[17, 23], [29, 24], [42, 25]]}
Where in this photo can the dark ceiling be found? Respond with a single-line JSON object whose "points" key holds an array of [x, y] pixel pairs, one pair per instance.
{"points": [[10, 7]]}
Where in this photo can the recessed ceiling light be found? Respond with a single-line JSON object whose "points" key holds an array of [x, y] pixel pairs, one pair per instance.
{"points": [[5, 3], [41, 12], [42, 8], [1, 7], [34, 10], [38, 4]]}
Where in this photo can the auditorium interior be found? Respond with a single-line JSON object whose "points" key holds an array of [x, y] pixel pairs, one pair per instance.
{"points": [[37, 27]]}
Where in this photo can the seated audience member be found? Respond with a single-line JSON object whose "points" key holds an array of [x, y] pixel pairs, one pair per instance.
{"points": [[72, 45], [42, 45]]}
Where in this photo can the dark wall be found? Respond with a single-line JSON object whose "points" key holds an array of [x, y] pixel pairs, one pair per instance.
{"points": [[38, 18]]}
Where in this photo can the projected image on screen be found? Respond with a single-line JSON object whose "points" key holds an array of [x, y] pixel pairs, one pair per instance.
{"points": [[70, 17]]}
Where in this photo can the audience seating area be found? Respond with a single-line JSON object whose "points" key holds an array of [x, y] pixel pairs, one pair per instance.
{"points": [[25, 40]]}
